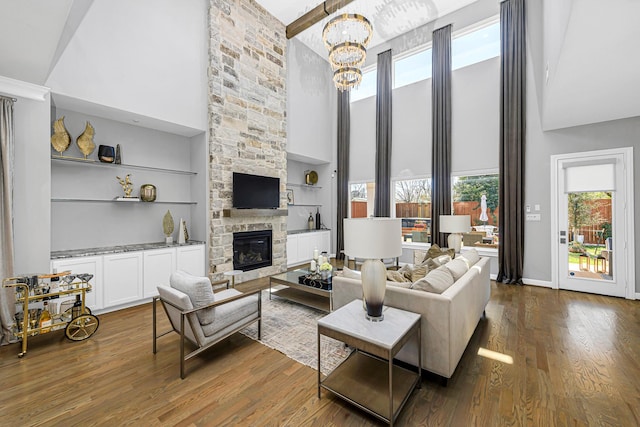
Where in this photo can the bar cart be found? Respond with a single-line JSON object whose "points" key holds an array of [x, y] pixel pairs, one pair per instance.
{"points": [[77, 321]]}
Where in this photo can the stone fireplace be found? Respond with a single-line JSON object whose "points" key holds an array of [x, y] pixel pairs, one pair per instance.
{"points": [[252, 250], [247, 127]]}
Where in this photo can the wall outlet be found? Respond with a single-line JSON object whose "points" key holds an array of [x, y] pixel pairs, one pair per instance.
{"points": [[533, 217]]}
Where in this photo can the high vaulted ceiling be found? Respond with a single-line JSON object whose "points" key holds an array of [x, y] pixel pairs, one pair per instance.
{"points": [[584, 51], [389, 18]]}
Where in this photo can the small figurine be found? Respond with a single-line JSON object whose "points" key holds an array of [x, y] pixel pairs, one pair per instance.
{"points": [[85, 141], [60, 139], [127, 185]]}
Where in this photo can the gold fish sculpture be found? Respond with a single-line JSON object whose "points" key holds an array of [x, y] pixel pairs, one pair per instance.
{"points": [[60, 139], [85, 141]]}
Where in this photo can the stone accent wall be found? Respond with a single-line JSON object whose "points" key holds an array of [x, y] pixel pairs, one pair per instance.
{"points": [[247, 123]]}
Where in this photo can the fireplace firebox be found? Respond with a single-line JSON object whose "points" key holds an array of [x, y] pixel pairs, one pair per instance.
{"points": [[252, 250]]}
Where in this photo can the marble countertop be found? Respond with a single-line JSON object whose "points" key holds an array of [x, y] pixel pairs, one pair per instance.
{"points": [[306, 231], [72, 253]]}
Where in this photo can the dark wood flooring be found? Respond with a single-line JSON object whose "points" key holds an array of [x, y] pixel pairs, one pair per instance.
{"points": [[576, 362]]}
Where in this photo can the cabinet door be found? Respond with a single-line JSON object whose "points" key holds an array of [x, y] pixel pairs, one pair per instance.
{"points": [[158, 266], [306, 244], [191, 260], [292, 249], [324, 241], [122, 278], [89, 265]]}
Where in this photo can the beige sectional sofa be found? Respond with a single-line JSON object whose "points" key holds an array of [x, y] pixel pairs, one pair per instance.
{"points": [[448, 319]]}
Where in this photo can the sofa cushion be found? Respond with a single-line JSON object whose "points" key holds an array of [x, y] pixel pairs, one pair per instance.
{"points": [[419, 271], [435, 251], [434, 263], [199, 291], [457, 267], [436, 281], [405, 285], [472, 256]]}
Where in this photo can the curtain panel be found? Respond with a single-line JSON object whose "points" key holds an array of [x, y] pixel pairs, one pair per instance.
{"points": [[512, 140], [382, 203], [7, 298], [344, 119], [441, 132]]}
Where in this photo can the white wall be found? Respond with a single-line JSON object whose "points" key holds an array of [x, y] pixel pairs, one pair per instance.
{"points": [[147, 57], [311, 105]]}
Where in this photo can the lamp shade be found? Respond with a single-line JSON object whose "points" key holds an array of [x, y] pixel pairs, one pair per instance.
{"points": [[373, 238], [455, 223]]}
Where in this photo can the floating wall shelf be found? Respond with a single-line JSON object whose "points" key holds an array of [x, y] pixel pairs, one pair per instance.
{"points": [[92, 163]]}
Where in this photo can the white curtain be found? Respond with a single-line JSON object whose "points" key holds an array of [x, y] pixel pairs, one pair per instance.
{"points": [[7, 306]]}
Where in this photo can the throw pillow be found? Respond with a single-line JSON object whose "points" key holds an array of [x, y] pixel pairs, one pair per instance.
{"points": [[419, 271], [457, 267], [435, 251], [419, 256], [472, 256], [437, 281], [396, 276], [406, 271], [199, 291], [351, 274], [434, 263]]}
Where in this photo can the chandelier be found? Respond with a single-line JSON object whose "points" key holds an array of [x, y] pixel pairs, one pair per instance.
{"points": [[346, 37]]}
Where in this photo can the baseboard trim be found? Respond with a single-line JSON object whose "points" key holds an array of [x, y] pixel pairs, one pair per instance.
{"points": [[533, 282]]}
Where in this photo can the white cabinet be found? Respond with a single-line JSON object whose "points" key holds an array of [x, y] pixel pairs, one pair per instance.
{"points": [[158, 266], [89, 265], [191, 259], [300, 246], [122, 278]]}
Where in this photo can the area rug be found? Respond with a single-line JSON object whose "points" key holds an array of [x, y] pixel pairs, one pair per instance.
{"points": [[291, 329]]}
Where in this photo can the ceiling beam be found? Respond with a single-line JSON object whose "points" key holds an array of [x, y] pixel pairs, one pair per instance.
{"points": [[314, 16]]}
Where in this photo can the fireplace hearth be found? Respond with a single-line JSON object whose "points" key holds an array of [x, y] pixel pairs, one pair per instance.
{"points": [[252, 250]]}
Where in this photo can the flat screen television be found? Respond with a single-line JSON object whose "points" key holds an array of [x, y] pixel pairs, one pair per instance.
{"points": [[255, 192]]}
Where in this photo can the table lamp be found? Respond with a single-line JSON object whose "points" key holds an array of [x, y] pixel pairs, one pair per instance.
{"points": [[456, 225], [373, 239]]}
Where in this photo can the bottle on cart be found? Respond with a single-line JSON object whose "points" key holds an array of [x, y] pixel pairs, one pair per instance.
{"points": [[76, 310], [54, 286], [45, 319]]}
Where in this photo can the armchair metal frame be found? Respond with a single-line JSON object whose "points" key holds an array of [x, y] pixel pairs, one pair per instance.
{"points": [[184, 317]]}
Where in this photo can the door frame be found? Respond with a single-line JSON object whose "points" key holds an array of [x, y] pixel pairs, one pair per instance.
{"points": [[627, 229]]}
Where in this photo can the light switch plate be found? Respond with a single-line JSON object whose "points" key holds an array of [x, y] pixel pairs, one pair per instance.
{"points": [[533, 217]]}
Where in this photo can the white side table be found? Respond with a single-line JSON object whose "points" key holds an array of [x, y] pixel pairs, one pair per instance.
{"points": [[362, 378], [232, 275]]}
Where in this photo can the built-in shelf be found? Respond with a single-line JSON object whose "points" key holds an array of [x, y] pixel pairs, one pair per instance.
{"points": [[243, 213], [303, 186], [123, 202], [310, 205], [93, 163]]}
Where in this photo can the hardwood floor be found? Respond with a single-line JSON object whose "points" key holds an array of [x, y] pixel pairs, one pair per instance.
{"points": [[576, 361]]}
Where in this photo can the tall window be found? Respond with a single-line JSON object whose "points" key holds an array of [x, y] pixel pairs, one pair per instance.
{"points": [[477, 196], [412, 201], [368, 85], [413, 68], [476, 46], [361, 199]]}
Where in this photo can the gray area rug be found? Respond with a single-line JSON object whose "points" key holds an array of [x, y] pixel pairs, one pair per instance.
{"points": [[291, 329]]}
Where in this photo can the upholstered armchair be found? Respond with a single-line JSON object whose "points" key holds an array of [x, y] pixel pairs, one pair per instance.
{"points": [[202, 317]]}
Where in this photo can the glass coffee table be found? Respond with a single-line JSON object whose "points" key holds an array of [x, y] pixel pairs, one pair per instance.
{"points": [[286, 285]]}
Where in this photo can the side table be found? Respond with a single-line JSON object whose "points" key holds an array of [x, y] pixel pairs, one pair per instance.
{"points": [[368, 378], [232, 274]]}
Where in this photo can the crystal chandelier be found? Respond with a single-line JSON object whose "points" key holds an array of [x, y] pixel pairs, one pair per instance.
{"points": [[346, 37]]}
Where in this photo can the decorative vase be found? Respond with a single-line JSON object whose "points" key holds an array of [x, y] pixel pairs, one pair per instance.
{"points": [[374, 286], [181, 236], [105, 153], [148, 192], [118, 155]]}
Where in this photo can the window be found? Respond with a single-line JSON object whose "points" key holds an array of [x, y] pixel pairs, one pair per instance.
{"points": [[413, 68], [361, 199], [476, 46], [412, 201], [368, 86], [468, 192]]}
